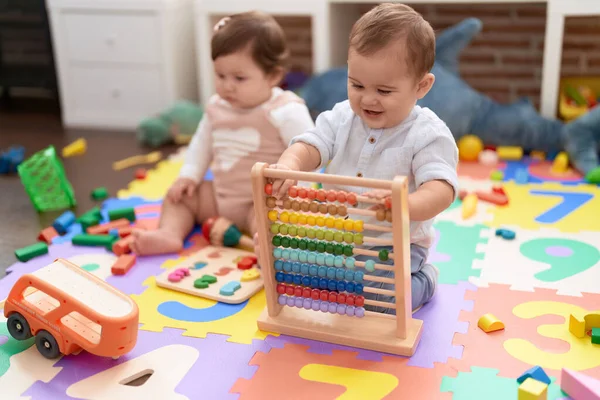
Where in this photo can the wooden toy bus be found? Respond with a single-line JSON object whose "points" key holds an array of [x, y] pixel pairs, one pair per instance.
{"points": [[67, 308]]}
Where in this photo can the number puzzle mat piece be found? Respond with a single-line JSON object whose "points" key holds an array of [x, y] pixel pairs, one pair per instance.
{"points": [[536, 332], [566, 208], [226, 257], [181, 367], [545, 258], [292, 372], [484, 383], [463, 245], [164, 308], [440, 316], [21, 365]]}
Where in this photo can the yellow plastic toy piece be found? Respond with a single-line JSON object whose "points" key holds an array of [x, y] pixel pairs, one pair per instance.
{"points": [[537, 155], [250, 275], [136, 160], [76, 148], [294, 218], [469, 147], [329, 222], [577, 326], [561, 163], [339, 223], [514, 153], [469, 205], [489, 323], [531, 389]]}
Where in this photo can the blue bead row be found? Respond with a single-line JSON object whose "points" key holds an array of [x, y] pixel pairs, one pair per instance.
{"points": [[319, 283], [314, 257], [320, 271]]}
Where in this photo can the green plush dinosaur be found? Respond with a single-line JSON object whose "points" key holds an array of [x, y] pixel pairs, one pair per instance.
{"points": [[177, 124]]}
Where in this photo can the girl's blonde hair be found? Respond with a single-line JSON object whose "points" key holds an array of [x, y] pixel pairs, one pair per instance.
{"points": [[258, 30]]}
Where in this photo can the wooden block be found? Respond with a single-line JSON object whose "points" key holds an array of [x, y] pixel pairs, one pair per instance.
{"points": [[531, 389], [123, 264], [579, 386], [104, 228], [122, 246], [46, 235]]}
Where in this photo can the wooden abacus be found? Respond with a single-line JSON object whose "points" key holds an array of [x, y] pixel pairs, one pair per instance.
{"points": [[318, 273]]}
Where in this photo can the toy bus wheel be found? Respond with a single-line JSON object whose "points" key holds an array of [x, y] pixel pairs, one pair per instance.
{"points": [[47, 345], [18, 327]]}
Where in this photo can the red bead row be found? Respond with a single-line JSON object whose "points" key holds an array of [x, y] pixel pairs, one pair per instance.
{"points": [[324, 295]]}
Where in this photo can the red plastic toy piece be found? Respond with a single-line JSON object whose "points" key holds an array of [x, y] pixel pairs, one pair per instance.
{"points": [[341, 197], [280, 288], [293, 191], [302, 193], [311, 194], [46, 235], [246, 263], [269, 189], [140, 173]]}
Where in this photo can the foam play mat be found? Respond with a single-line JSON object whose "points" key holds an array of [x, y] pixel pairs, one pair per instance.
{"points": [[195, 348]]}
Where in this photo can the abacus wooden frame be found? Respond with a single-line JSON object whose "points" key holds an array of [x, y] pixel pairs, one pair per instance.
{"points": [[396, 334]]}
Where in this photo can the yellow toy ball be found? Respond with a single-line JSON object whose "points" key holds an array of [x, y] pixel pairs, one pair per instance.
{"points": [[469, 147]]}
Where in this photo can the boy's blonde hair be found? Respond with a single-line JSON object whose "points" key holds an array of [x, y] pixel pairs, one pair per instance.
{"points": [[256, 29], [390, 22]]}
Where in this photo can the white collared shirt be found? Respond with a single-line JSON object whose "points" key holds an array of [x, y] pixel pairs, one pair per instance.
{"points": [[421, 148]]}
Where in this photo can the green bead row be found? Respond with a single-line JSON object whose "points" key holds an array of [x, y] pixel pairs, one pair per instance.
{"points": [[321, 234], [313, 245]]}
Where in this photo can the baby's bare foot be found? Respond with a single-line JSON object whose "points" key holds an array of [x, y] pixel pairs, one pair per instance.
{"points": [[158, 241]]}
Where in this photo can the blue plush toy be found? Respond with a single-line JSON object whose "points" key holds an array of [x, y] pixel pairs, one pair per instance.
{"points": [[467, 111]]}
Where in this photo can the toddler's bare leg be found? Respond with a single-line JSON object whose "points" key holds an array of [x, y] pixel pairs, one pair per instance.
{"points": [[176, 222]]}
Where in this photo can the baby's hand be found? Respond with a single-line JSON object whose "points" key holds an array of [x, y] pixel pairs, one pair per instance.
{"points": [[281, 186], [379, 194], [182, 186]]}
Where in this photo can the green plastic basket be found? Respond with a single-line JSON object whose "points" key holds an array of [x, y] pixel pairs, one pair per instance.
{"points": [[43, 176]]}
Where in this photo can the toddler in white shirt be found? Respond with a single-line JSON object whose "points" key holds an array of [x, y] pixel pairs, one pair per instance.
{"points": [[380, 132]]}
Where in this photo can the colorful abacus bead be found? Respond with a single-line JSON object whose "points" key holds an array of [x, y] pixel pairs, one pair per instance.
{"points": [[269, 189]]}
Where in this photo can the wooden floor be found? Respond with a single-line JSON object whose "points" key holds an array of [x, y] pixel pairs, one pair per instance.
{"points": [[35, 125]]}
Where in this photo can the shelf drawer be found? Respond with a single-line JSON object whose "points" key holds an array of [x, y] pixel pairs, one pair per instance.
{"points": [[119, 94], [112, 37]]}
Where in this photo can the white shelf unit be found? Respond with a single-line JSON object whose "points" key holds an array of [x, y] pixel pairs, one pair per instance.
{"points": [[120, 61], [332, 20]]}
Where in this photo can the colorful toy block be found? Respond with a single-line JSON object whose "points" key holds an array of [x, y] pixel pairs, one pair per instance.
{"points": [[99, 193], [25, 254], [505, 233], [532, 389], [62, 223], [577, 326], [596, 335], [93, 240], [76, 148], [513, 153], [46, 235], [579, 386], [489, 323], [119, 213], [536, 373], [123, 264], [11, 159]]}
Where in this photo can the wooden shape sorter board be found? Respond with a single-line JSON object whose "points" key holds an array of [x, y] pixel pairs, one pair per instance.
{"points": [[221, 263]]}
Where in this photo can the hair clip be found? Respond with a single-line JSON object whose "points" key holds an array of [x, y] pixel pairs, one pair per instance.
{"points": [[221, 23]]}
